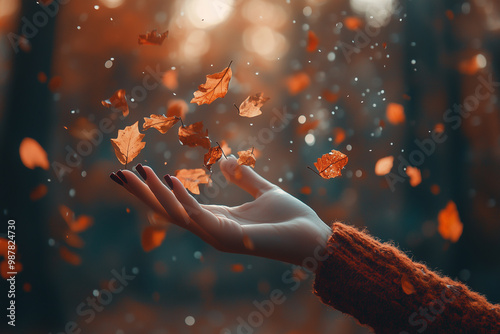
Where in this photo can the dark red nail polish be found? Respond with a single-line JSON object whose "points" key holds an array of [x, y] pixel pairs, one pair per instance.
{"points": [[141, 171], [170, 184], [116, 178], [121, 176]]}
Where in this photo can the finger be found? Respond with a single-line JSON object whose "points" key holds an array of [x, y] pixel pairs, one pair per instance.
{"points": [[244, 177]]}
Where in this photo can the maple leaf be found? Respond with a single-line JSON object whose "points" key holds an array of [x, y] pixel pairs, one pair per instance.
{"points": [[117, 102], [212, 156], [330, 165], [450, 227], [297, 82], [32, 154], [395, 113], [251, 106], [215, 87], [152, 237], [384, 165], [160, 123], [246, 158], [192, 178], [312, 41], [128, 144], [152, 38], [193, 135]]}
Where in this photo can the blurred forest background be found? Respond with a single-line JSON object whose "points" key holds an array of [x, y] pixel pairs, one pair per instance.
{"points": [[375, 62]]}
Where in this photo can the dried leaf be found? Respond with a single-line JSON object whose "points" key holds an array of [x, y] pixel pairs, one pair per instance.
{"points": [[246, 158], [160, 122], [395, 113], [152, 237], [32, 154], [312, 41], [117, 102], [251, 106], [216, 86], [450, 227], [212, 156], [415, 175], [128, 144], [384, 165], [193, 135], [353, 23], [69, 256], [152, 38], [39, 192], [408, 288], [177, 108], [296, 83], [192, 178], [330, 165]]}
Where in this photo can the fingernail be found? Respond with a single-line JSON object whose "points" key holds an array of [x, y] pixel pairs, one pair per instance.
{"points": [[121, 176], [170, 184], [116, 178], [141, 171]]}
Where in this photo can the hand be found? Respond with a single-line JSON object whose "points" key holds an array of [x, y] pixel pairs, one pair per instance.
{"points": [[274, 225]]}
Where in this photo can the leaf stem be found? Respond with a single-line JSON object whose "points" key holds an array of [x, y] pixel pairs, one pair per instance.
{"points": [[224, 154]]}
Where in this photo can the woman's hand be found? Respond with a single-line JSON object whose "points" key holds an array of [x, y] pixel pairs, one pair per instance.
{"points": [[274, 225]]}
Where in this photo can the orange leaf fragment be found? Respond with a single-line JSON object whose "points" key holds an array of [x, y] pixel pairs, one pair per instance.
{"points": [[39, 192], [117, 102], [408, 288], [177, 108], [212, 156], [339, 134], [152, 237], [216, 86], [160, 122], [330, 165], [384, 166], [353, 23], [395, 113], [192, 178], [169, 79], [415, 175], [80, 224], [251, 106], [69, 256], [152, 38], [73, 240], [128, 144], [246, 158], [306, 190], [329, 96], [312, 41], [296, 83], [450, 227], [193, 135], [32, 154], [237, 268], [225, 148], [304, 129]]}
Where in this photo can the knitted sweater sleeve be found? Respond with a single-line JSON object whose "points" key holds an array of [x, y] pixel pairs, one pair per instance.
{"points": [[381, 287]]}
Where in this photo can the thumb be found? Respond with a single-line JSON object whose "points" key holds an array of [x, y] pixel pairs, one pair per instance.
{"points": [[244, 177]]}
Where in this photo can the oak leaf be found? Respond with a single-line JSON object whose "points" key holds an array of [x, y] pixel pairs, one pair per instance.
{"points": [[330, 165], [251, 106], [193, 135], [216, 86], [192, 178], [152, 237], [212, 156], [32, 154], [246, 158], [312, 41], [160, 122], [128, 144], [152, 38], [450, 227], [117, 102]]}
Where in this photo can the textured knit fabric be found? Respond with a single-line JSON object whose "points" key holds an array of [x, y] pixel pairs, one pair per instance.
{"points": [[382, 288]]}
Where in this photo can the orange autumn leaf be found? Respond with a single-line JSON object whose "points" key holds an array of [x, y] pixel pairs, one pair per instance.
{"points": [[69, 256], [384, 166], [193, 135], [415, 175], [303, 129], [216, 86], [353, 23], [237, 268], [330, 165], [169, 79], [395, 113], [407, 287], [246, 158], [152, 237], [312, 41], [450, 227], [76, 225], [128, 144], [212, 156], [152, 38], [160, 122], [117, 102], [39, 192], [5, 268], [251, 106], [32, 154], [192, 178], [177, 108], [296, 83]]}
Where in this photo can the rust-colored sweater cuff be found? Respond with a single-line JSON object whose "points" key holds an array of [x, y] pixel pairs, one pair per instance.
{"points": [[381, 287]]}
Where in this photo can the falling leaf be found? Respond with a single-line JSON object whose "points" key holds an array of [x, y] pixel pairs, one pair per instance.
{"points": [[384, 165], [353, 23], [312, 41], [246, 158], [192, 178], [330, 165], [225, 148], [415, 175], [39, 192], [177, 108], [69, 256], [450, 226], [395, 113], [32, 154], [117, 102], [128, 144], [152, 237], [339, 134], [408, 288], [152, 38], [251, 106], [76, 225], [296, 83], [193, 135], [169, 79], [212, 156], [216, 86], [304, 129], [237, 268], [160, 122]]}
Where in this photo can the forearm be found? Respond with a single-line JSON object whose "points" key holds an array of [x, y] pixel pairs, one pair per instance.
{"points": [[381, 287]]}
